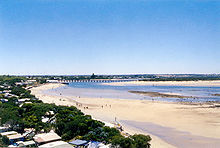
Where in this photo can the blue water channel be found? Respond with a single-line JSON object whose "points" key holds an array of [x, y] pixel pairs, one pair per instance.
{"points": [[99, 90]]}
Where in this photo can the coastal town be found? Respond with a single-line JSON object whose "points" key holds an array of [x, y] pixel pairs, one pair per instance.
{"points": [[28, 122]]}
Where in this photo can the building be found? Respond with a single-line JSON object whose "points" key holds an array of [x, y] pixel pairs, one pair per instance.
{"points": [[52, 81], [8, 133], [95, 144], [24, 144], [3, 129], [15, 138], [79, 143], [23, 100], [57, 144], [46, 138]]}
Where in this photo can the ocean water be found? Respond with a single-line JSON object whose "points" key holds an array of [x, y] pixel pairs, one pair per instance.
{"points": [[98, 90]]}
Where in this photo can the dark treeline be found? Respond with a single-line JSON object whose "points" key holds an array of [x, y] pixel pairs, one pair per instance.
{"points": [[145, 77]]}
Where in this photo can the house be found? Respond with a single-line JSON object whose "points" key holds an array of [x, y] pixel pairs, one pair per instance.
{"points": [[8, 133], [56, 144], [15, 138], [10, 95], [27, 144], [29, 133], [6, 91], [29, 87], [4, 100], [50, 113], [52, 81], [23, 100], [95, 144], [21, 104], [79, 143], [45, 119], [46, 138], [31, 81], [20, 83], [3, 129], [24, 144]]}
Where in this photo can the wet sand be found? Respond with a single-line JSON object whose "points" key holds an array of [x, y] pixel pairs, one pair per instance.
{"points": [[157, 94], [177, 138], [197, 124]]}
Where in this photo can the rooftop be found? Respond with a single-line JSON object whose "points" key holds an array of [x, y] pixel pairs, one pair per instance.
{"points": [[57, 144], [21, 143], [17, 136], [78, 142], [25, 99], [46, 137], [9, 133]]}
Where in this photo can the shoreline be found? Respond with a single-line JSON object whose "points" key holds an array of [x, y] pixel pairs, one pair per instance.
{"points": [[181, 117]]}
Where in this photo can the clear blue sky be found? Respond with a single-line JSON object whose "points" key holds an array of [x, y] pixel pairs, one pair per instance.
{"points": [[109, 36]]}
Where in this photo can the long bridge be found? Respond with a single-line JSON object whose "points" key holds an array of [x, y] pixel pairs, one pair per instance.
{"points": [[92, 80]]}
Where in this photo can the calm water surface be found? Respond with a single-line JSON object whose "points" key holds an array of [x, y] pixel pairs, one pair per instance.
{"points": [[98, 90]]}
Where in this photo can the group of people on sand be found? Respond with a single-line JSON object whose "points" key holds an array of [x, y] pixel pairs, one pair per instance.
{"points": [[86, 107], [106, 105], [81, 105]]}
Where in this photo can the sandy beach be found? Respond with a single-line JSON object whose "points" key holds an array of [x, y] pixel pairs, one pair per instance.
{"points": [[168, 83], [169, 124]]}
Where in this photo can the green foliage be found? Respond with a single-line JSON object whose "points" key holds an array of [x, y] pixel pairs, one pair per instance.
{"points": [[41, 81], [10, 80], [33, 113], [18, 90], [141, 141], [104, 133], [135, 141], [9, 114], [70, 124], [93, 76], [122, 142], [12, 101], [5, 140]]}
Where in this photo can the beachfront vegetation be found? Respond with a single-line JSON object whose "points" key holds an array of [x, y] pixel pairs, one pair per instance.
{"points": [[135, 141], [68, 122], [4, 141], [10, 80]]}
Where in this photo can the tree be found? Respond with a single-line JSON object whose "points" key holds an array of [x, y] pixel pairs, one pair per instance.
{"points": [[93, 76], [18, 90], [141, 141], [135, 141], [5, 140], [122, 142]]}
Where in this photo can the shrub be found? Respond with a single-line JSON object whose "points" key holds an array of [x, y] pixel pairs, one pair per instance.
{"points": [[5, 140]]}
